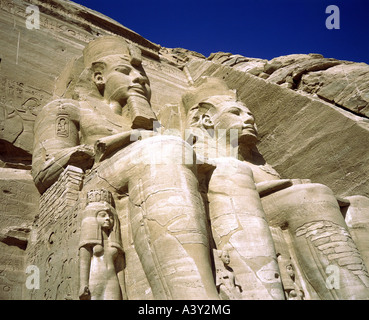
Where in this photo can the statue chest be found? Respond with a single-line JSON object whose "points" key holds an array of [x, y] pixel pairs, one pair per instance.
{"points": [[95, 124]]}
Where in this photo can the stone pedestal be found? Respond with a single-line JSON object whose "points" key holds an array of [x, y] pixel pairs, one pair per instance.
{"points": [[53, 245]]}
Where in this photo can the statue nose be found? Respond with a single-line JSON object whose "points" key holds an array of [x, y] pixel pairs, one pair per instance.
{"points": [[138, 78], [248, 119]]}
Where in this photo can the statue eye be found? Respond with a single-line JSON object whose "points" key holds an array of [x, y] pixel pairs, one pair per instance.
{"points": [[235, 111], [123, 69], [102, 214]]}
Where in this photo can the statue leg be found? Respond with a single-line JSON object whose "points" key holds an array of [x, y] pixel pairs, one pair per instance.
{"points": [[167, 216], [239, 224], [357, 219], [324, 247]]}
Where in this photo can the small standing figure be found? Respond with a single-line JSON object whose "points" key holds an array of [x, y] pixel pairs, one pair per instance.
{"points": [[100, 250], [226, 281], [291, 286], [295, 292]]}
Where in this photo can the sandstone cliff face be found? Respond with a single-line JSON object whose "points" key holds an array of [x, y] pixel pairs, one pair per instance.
{"points": [[312, 112], [342, 83]]}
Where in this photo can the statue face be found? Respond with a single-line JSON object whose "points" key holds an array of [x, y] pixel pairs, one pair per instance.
{"points": [[121, 79], [290, 271], [235, 115], [225, 257], [105, 219]]}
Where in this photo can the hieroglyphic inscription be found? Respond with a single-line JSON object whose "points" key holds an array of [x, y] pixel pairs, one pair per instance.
{"points": [[19, 106], [24, 98], [55, 249], [46, 21], [62, 126], [167, 69]]}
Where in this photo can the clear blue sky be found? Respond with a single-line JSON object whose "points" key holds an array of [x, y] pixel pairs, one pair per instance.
{"points": [[253, 28]]}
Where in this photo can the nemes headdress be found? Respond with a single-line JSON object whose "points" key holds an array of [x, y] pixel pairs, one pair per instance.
{"points": [[207, 88], [111, 45]]}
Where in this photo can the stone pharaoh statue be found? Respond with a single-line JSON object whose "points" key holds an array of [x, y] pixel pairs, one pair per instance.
{"points": [[218, 126], [246, 198], [98, 133]]}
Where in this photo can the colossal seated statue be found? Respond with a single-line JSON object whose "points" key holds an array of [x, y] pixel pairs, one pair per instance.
{"points": [[99, 134], [217, 124], [246, 198]]}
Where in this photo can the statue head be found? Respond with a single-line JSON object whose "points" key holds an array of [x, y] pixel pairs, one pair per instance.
{"points": [[100, 216], [211, 105], [105, 219], [224, 255], [290, 271], [116, 69]]}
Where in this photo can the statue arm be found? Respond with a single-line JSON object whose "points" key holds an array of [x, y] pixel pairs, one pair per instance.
{"points": [[270, 186], [56, 143], [119, 267], [107, 145], [85, 254]]}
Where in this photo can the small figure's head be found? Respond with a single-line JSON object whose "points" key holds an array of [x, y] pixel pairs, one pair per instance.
{"points": [[105, 219], [116, 69], [225, 257], [290, 271], [100, 216], [213, 106]]}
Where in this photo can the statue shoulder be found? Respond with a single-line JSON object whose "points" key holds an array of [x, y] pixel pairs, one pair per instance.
{"points": [[58, 107]]}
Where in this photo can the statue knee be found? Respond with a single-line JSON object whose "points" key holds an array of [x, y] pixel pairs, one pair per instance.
{"points": [[301, 203], [306, 193]]}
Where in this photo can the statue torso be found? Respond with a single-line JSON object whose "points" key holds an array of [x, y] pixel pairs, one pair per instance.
{"points": [[98, 120]]}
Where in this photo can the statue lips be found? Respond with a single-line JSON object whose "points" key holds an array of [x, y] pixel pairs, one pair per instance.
{"points": [[248, 129], [106, 223], [138, 90]]}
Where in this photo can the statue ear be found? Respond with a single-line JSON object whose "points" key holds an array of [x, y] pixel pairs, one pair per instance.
{"points": [[98, 77], [206, 121], [99, 80]]}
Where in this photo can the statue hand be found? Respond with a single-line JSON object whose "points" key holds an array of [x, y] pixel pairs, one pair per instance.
{"points": [[107, 145], [84, 293], [81, 156]]}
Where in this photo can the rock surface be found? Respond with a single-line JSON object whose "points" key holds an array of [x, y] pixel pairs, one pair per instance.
{"points": [[342, 83], [19, 206]]}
